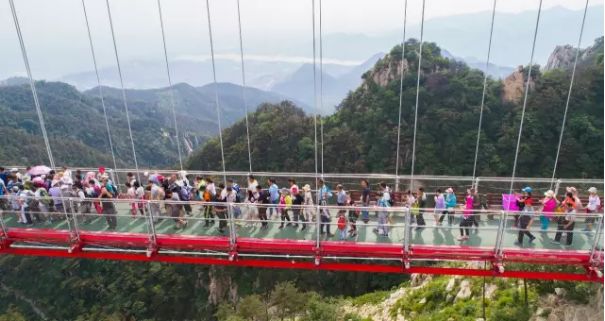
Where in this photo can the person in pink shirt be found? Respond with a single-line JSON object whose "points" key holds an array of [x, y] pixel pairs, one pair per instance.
{"points": [[467, 216], [549, 204]]}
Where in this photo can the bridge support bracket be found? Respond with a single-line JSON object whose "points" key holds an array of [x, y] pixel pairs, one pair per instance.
{"points": [[152, 250], [498, 267], [405, 261], [5, 243], [232, 256], [75, 247], [594, 272]]}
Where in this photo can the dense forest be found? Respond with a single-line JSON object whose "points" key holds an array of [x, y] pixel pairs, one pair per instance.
{"points": [[359, 137], [362, 135]]}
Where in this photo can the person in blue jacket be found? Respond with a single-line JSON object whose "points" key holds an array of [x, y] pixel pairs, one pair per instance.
{"points": [[450, 205]]}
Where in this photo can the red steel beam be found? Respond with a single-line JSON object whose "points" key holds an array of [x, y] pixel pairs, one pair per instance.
{"points": [[293, 264], [303, 247]]}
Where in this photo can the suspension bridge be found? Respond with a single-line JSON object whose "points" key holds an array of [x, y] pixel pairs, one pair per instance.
{"points": [[234, 240]]}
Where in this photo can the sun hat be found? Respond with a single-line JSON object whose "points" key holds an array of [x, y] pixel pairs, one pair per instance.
{"points": [[449, 190], [306, 188], [549, 193], [527, 189], [592, 190]]}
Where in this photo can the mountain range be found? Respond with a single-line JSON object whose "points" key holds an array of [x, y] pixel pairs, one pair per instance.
{"points": [[78, 136], [464, 35]]}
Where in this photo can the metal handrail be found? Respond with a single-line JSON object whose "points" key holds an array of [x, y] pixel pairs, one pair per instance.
{"points": [[385, 176]]}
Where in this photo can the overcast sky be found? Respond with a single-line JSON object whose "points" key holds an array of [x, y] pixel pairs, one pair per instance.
{"points": [[56, 28]]}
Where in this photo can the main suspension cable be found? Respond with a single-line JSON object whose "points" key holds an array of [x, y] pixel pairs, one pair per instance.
{"points": [[170, 88], [531, 62], [485, 76], [218, 108], [94, 61], [244, 97], [321, 90], [405, 15], [115, 49], [314, 93], [417, 96], [573, 75], [32, 84]]}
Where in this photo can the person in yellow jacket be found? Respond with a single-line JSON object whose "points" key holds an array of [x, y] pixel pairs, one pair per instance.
{"points": [[285, 205]]}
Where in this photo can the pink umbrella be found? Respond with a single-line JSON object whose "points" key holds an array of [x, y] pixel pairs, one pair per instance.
{"points": [[37, 179], [39, 170]]}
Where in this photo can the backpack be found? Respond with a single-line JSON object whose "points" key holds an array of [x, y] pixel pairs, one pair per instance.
{"points": [[391, 201], [111, 189], [45, 198], [206, 196], [33, 204], [415, 209], [185, 193], [342, 223]]}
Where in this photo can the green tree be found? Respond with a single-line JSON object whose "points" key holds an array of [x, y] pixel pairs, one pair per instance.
{"points": [[287, 300], [252, 308], [12, 314], [320, 309]]}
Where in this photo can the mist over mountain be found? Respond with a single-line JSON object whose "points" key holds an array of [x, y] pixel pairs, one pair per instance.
{"points": [[299, 85], [467, 35]]}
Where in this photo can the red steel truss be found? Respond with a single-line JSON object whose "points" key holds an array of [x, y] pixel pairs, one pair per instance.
{"points": [[297, 254]]}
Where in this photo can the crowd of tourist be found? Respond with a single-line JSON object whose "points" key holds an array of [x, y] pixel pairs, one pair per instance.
{"points": [[41, 195]]}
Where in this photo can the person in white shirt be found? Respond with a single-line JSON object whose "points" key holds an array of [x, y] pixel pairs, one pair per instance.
{"points": [[228, 194], [594, 204], [308, 211], [211, 188], [139, 192], [156, 195], [252, 184], [132, 194]]}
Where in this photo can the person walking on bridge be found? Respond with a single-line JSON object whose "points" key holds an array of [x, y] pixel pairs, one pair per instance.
{"points": [[450, 205], [421, 204], [109, 209], [467, 216], [439, 207], [365, 200], [324, 194], [526, 217], [549, 204], [262, 201], [293, 187], [308, 210], [476, 208], [568, 222], [273, 197], [594, 204]]}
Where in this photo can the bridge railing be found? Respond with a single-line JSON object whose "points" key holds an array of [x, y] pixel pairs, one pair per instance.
{"points": [[240, 226], [351, 181]]}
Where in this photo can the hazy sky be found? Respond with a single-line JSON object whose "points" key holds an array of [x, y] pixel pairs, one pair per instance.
{"points": [[56, 28]]}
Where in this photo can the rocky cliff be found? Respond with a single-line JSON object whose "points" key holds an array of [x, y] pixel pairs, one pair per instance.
{"points": [[555, 307], [513, 86], [563, 56]]}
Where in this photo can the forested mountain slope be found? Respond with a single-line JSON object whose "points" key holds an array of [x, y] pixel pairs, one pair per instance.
{"points": [[76, 125], [361, 136]]}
